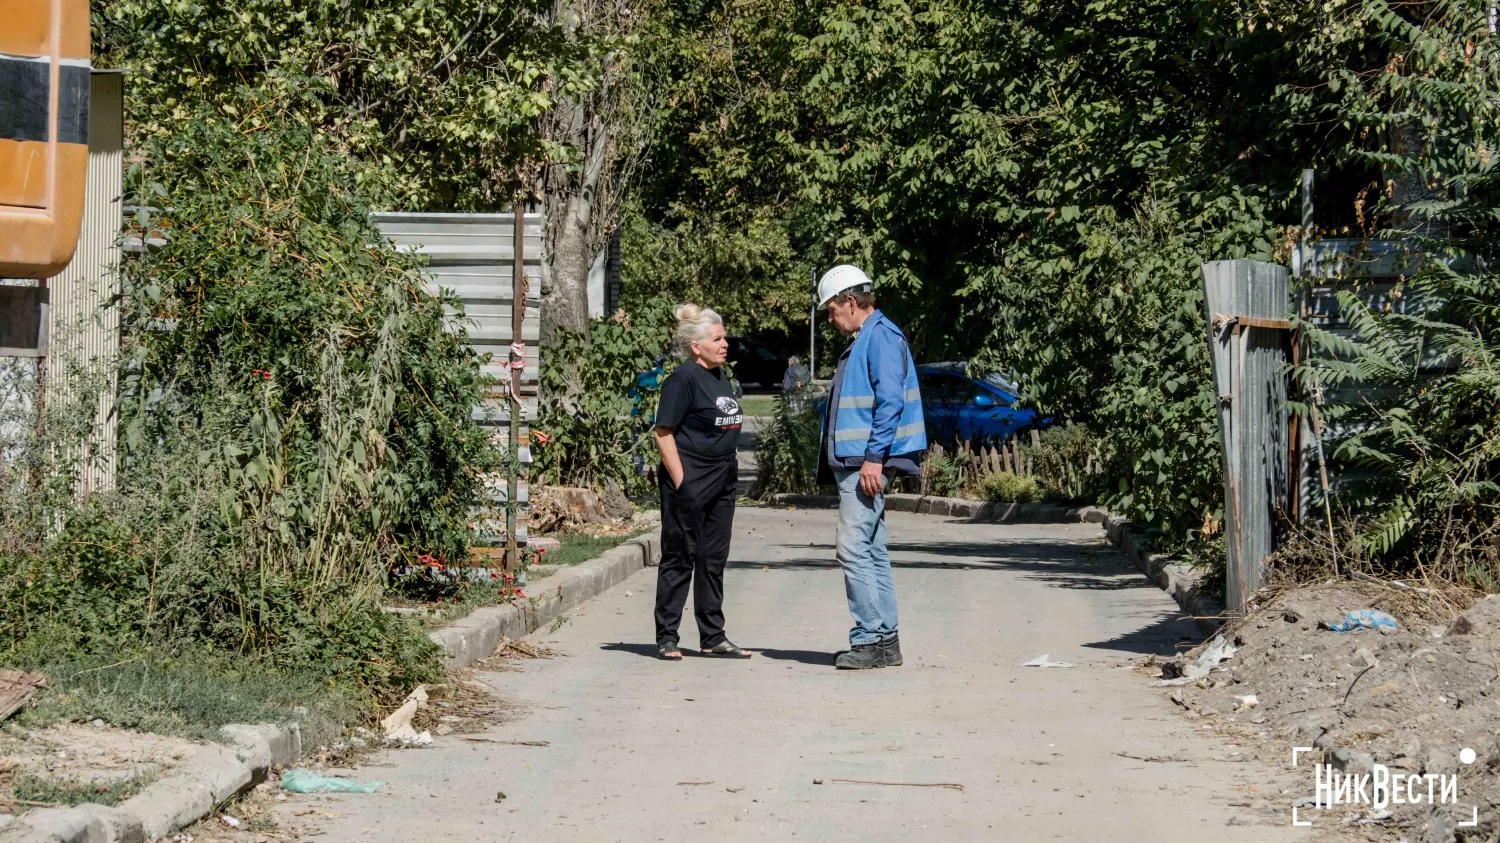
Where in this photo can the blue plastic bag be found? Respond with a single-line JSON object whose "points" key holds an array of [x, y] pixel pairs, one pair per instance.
{"points": [[1365, 619]]}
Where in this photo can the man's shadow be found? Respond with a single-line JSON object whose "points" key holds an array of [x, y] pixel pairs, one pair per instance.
{"points": [[812, 657]]}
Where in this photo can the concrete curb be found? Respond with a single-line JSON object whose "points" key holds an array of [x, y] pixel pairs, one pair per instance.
{"points": [[217, 773], [211, 777], [1175, 578], [476, 636]]}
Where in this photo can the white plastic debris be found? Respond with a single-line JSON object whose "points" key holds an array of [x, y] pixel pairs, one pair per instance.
{"points": [[1247, 701], [232, 822], [1045, 660], [1218, 650], [398, 728]]}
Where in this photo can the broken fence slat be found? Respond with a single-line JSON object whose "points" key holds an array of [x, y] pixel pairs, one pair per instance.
{"points": [[16, 688]]}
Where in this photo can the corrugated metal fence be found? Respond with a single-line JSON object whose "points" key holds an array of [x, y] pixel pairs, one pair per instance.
{"points": [[81, 341], [472, 256], [1247, 305]]}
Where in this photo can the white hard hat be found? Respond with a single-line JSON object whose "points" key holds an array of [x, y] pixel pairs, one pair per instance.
{"points": [[844, 278]]}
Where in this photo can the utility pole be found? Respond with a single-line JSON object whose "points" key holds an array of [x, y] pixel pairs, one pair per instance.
{"points": [[812, 331]]}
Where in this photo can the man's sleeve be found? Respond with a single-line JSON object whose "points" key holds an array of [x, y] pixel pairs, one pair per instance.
{"points": [[887, 363], [673, 406]]}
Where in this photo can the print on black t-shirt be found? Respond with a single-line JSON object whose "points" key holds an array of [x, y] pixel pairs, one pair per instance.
{"points": [[699, 406]]}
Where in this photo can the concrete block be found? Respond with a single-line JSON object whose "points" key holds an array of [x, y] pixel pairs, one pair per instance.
{"points": [[81, 824], [902, 503]]}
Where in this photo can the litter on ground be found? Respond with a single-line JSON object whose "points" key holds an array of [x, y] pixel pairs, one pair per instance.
{"points": [[306, 781]]}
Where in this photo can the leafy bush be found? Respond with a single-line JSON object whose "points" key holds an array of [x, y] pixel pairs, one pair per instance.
{"points": [[1067, 462], [1003, 486], [295, 420], [595, 432], [1422, 436], [786, 450], [942, 474]]}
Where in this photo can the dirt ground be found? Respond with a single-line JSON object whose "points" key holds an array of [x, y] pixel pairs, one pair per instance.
{"points": [[80, 756], [1419, 700]]}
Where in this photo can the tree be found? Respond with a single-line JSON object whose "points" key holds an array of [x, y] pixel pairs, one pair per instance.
{"points": [[597, 131], [439, 101]]}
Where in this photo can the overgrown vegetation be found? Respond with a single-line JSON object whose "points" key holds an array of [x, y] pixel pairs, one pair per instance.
{"points": [[1423, 441], [192, 693], [295, 421], [1068, 463], [595, 420], [786, 450], [1034, 186]]}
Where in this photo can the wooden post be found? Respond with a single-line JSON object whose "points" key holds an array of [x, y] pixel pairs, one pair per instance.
{"points": [[517, 409], [1246, 304]]}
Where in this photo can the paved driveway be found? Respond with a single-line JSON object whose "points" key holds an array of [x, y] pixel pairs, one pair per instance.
{"points": [[710, 750]]}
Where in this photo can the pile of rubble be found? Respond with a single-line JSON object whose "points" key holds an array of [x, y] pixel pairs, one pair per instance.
{"points": [[1390, 709]]}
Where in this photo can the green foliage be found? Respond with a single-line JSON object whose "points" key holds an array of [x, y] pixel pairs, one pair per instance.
{"points": [[595, 432], [787, 449], [1033, 186], [751, 274], [942, 474], [1067, 462], [437, 101], [295, 420], [1423, 445], [581, 547], [1005, 487]]}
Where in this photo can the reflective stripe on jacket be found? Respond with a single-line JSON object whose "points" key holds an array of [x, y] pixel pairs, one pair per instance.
{"points": [[879, 411]]}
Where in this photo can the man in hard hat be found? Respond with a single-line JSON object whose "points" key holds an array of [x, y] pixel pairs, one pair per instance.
{"points": [[872, 430]]}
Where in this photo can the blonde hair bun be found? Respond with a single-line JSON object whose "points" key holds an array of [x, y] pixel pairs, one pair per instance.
{"points": [[692, 324]]}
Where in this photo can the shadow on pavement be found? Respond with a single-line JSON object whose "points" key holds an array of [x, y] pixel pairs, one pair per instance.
{"points": [[1168, 636], [801, 656], [647, 650], [1063, 564]]}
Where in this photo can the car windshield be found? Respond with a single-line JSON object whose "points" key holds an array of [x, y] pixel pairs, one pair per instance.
{"points": [[1000, 382]]}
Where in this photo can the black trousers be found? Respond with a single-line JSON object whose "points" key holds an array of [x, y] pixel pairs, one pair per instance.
{"points": [[696, 521]]}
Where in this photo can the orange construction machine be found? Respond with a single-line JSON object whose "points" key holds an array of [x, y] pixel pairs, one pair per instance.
{"points": [[44, 133]]}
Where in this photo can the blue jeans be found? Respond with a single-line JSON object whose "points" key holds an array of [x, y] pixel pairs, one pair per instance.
{"points": [[867, 565]]}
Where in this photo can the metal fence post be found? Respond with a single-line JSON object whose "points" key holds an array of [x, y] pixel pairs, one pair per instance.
{"points": [[1246, 304]]}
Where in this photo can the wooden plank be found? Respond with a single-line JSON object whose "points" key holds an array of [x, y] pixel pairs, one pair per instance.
{"points": [[16, 688]]}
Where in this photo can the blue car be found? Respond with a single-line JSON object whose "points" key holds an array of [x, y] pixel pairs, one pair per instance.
{"points": [[960, 408]]}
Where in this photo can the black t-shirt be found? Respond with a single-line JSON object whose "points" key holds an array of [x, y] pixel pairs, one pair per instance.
{"points": [[699, 405]]}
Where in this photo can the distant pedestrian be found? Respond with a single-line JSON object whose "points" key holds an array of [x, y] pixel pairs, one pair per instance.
{"points": [[872, 430], [796, 375], [792, 383], [697, 431]]}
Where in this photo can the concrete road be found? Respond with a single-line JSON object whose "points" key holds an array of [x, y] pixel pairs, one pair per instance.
{"points": [[709, 750]]}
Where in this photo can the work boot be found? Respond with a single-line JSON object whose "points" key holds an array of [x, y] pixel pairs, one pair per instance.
{"points": [[890, 650], [861, 657]]}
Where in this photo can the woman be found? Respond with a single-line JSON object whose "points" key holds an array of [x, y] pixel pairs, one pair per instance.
{"points": [[697, 430]]}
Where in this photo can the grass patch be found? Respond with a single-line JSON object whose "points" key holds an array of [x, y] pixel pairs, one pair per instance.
{"points": [[758, 405], [190, 695], [581, 547], [33, 789]]}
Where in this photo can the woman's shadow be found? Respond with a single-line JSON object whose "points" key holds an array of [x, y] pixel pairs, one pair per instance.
{"points": [[812, 657]]}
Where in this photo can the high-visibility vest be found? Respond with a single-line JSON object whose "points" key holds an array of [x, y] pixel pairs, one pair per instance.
{"points": [[855, 414]]}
